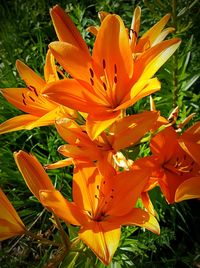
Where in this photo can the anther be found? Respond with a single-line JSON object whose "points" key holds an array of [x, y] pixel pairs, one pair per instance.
{"points": [[91, 72], [104, 86], [92, 81], [134, 32], [24, 102], [23, 95], [30, 88], [115, 68], [35, 91], [32, 98], [104, 63]]}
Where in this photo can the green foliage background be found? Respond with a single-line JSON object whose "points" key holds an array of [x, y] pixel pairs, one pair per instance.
{"points": [[25, 32]]}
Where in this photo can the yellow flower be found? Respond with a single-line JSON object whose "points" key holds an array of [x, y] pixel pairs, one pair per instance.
{"points": [[10, 222], [111, 79], [41, 111]]}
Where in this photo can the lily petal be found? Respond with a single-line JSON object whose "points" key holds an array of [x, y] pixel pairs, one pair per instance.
{"points": [[150, 61], [162, 35], [74, 60], [190, 141], [10, 222], [96, 124], [143, 219], [17, 123], [112, 55], [102, 238], [28, 101], [72, 94], [140, 89], [131, 129], [50, 72], [66, 30], [127, 189], [29, 76], [33, 173], [150, 36], [135, 27], [189, 189], [60, 164], [85, 176], [138, 217], [65, 210], [50, 117]]}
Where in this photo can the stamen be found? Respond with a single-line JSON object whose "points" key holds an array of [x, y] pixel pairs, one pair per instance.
{"points": [[134, 32], [30, 88], [24, 102], [35, 91], [91, 72], [32, 98], [92, 81], [104, 63], [104, 86], [23, 95], [115, 68]]}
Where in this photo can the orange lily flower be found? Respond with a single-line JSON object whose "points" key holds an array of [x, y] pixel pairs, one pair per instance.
{"points": [[123, 133], [41, 111], [108, 81], [33, 173], [102, 202], [177, 171], [190, 142], [153, 36], [10, 222]]}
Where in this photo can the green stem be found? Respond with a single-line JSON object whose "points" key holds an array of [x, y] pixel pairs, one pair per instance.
{"points": [[41, 239], [64, 237]]}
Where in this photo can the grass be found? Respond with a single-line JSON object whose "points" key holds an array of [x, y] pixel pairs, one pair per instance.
{"points": [[25, 35]]}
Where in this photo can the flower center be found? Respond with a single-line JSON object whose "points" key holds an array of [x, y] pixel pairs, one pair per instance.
{"points": [[104, 202], [180, 165], [105, 85]]}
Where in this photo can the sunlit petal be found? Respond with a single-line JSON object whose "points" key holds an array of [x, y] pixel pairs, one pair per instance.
{"points": [[17, 123], [102, 238], [33, 173], [189, 189], [10, 222], [29, 76], [66, 30], [67, 211]]}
